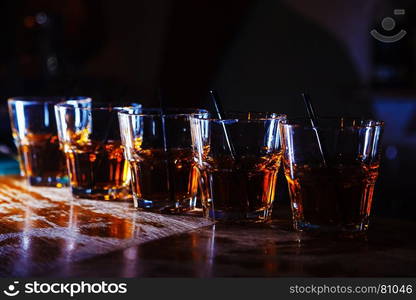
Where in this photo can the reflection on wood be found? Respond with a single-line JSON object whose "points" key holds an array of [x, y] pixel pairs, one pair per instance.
{"points": [[45, 227]]}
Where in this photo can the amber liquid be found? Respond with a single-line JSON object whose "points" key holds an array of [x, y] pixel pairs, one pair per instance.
{"points": [[243, 188], [334, 198], [41, 157], [97, 170], [164, 179]]}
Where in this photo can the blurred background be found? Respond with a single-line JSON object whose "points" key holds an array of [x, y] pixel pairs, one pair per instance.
{"points": [[259, 55]]}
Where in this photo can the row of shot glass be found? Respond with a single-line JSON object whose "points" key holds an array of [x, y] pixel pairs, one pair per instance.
{"points": [[186, 160]]}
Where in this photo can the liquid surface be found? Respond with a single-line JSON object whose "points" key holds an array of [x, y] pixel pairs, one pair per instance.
{"points": [[40, 156], [246, 184], [158, 175], [332, 196], [97, 166]]}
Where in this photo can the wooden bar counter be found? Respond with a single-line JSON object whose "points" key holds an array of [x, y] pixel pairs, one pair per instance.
{"points": [[45, 232]]}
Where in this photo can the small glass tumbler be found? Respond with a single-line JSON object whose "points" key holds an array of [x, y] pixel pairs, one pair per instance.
{"points": [[90, 137], [331, 182], [158, 146], [35, 135], [238, 158]]}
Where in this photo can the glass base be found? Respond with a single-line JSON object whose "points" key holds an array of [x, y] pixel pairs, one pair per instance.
{"points": [[341, 230], [259, 216], [165, 206], [121, 194], [48, 181]]}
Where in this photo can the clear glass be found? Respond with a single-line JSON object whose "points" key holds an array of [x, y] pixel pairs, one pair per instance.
{"points": [[159, 150], [90, 137], [332, 192], [35, 135], [238, 158]]}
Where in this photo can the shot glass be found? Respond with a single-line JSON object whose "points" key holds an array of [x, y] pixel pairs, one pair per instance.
{"points": [[35, 135], [238, 158], [158, 147], [331, 183], [90, 137]]}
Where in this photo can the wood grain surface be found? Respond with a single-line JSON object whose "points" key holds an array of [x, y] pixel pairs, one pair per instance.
{"points": [[40, 228]]}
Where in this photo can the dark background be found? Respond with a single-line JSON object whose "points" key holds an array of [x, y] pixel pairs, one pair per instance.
{"points": [[259, 54]]}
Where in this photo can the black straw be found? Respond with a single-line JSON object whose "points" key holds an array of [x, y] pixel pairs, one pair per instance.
{"points": [[109, 130], [220, 113], [314, 122], [166, 146]]}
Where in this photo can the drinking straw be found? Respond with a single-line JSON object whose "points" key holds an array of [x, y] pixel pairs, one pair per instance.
{"points": [[314, 122], [111, 122], [107, 131], [113, 114], [166, 148], [220, 113]]}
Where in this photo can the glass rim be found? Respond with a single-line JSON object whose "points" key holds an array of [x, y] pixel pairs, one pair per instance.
{"points": [[306, 122], [29, 100], [250, 116], [157, 112], [96, 106]]}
